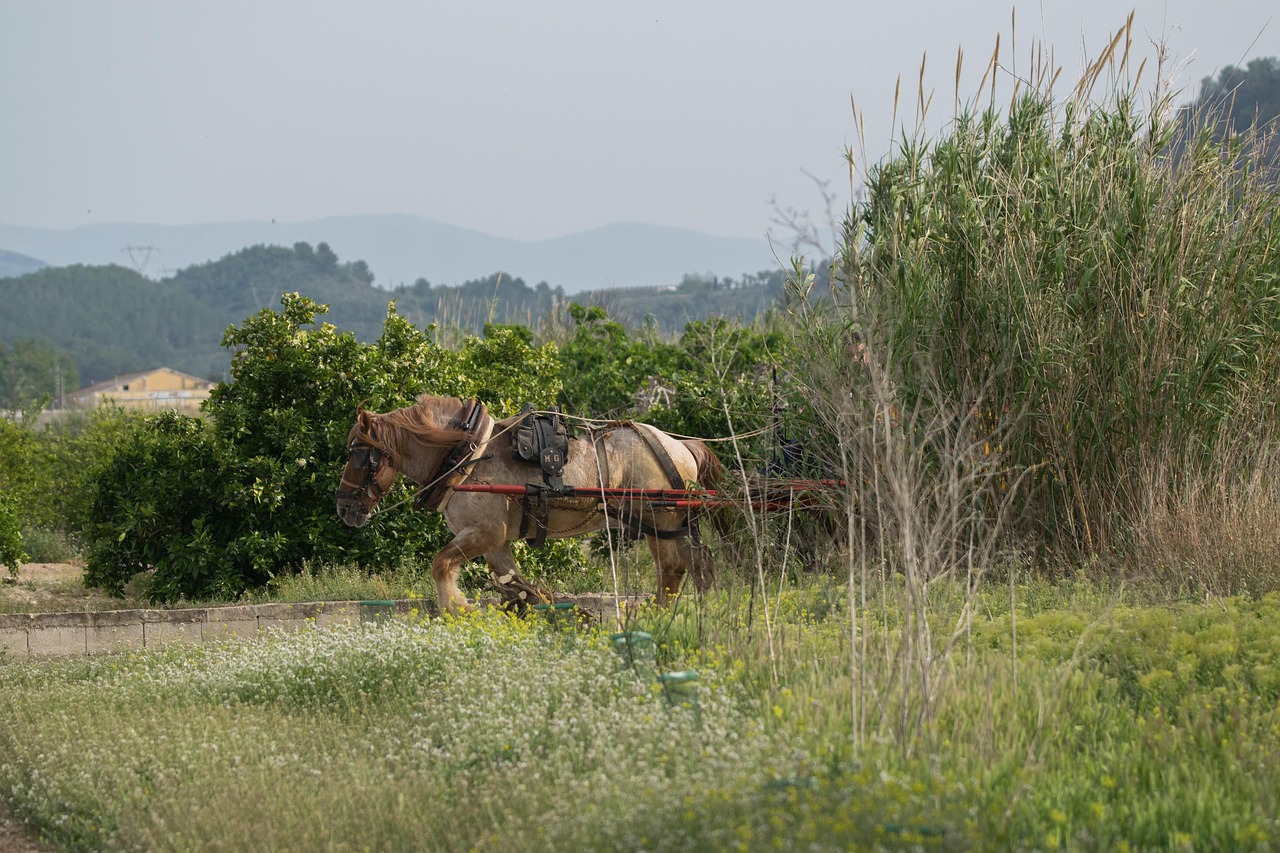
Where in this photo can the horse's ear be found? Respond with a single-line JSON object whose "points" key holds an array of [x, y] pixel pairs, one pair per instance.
{"points": [[364, 417]]}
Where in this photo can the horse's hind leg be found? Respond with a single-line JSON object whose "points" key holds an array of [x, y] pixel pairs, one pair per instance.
{"points": [[704, 569], [511, 584], [672, 559]]}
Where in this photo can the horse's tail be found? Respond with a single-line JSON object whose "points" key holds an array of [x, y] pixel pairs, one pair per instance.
{"points": [[710, 471]]}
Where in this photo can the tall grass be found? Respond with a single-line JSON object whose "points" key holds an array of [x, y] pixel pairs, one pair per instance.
{"points": [[1104, 285]]}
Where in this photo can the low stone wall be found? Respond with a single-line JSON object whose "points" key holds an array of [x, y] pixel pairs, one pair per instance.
{"points": [[29, 636]]}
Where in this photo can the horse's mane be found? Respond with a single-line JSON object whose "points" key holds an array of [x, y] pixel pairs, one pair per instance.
{"points": [[422, 420]]}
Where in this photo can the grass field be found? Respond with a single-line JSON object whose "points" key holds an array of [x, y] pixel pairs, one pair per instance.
{"points": [[1114, 725]]}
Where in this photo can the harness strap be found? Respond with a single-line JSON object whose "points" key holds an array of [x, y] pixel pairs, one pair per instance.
{"points": [[637, 526], [650, 436], [457, 464]]}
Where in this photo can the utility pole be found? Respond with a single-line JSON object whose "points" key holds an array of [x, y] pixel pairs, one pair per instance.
{"points": [[139, 257]]}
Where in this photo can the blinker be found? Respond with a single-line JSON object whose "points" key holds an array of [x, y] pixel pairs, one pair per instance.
{"points": [[364, 456]]}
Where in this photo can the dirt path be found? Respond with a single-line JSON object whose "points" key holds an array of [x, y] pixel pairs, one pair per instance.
{"points": [[46, 587]]}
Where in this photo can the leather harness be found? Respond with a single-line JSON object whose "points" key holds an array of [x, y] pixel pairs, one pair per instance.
{"points": [[549, 448], [455, 465], [635, 518]]}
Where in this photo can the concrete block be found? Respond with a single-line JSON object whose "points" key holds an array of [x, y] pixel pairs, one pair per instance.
{"points": [[234, 613], [13, 644], [173, 617], [56, 640], [338, 613], [220, 628], [58, 620], [14, 620], [284, 612], [114, 631], [162, 633]]}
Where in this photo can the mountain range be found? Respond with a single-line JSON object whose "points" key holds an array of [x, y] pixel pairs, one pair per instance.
{"points": [[13, 263], [400, 249]]}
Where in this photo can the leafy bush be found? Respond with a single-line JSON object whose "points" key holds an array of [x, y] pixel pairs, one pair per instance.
{"points": [[716, 380], [49, 471], [44, 545], [604, 366], [11, 553], [220, 505], [24, 462]]}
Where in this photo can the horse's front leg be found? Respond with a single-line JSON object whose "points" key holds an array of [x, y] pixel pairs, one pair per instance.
{"points": [[446, 564]]}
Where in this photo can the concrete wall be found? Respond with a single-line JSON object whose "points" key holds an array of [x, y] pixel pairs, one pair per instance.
{"points": [[33, 636]]}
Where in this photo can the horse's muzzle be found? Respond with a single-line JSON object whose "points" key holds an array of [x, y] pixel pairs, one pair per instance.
{"points": [[352, 513]]}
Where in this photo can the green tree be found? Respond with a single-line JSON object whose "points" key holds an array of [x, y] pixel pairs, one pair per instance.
{"points": [[34, 371], [1240, 98], [605, 366], [716, 380]]}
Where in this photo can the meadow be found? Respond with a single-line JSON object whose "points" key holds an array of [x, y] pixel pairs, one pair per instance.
{"points": [[1114, 725], [1042, 611]]}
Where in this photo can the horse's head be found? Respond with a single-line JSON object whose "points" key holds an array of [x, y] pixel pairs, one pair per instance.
{"points": [[368, 474]]}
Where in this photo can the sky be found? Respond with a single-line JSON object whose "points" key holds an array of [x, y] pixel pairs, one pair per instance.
{"points": [[521, 120]]}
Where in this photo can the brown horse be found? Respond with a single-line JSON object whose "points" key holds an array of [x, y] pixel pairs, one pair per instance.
{"points": [[441, 442]]}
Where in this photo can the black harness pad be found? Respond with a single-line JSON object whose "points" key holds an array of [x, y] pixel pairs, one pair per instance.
{"points": [[541, 440]]}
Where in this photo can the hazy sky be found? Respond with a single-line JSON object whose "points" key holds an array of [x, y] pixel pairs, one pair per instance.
{"points": [[524, 120]]}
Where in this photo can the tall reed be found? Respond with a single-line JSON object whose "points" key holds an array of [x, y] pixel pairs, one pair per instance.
{"points": [[1103, 277]]}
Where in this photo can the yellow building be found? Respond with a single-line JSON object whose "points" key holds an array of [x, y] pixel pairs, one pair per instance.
{"points": [[152, 390]]}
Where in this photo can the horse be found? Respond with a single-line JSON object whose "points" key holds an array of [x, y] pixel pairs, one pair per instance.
{"points": [[442, 442]]}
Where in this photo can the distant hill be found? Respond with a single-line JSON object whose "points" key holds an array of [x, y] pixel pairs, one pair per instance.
{"points": [[112, 320], [401, 249], [12, 263]]}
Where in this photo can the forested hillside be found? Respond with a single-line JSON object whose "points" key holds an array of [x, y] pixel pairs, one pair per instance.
{"points": [[1240, 98], [111, 319], [1243, 102]]}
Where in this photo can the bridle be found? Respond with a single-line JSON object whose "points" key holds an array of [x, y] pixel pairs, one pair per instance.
{"points": [[370, 457]]}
